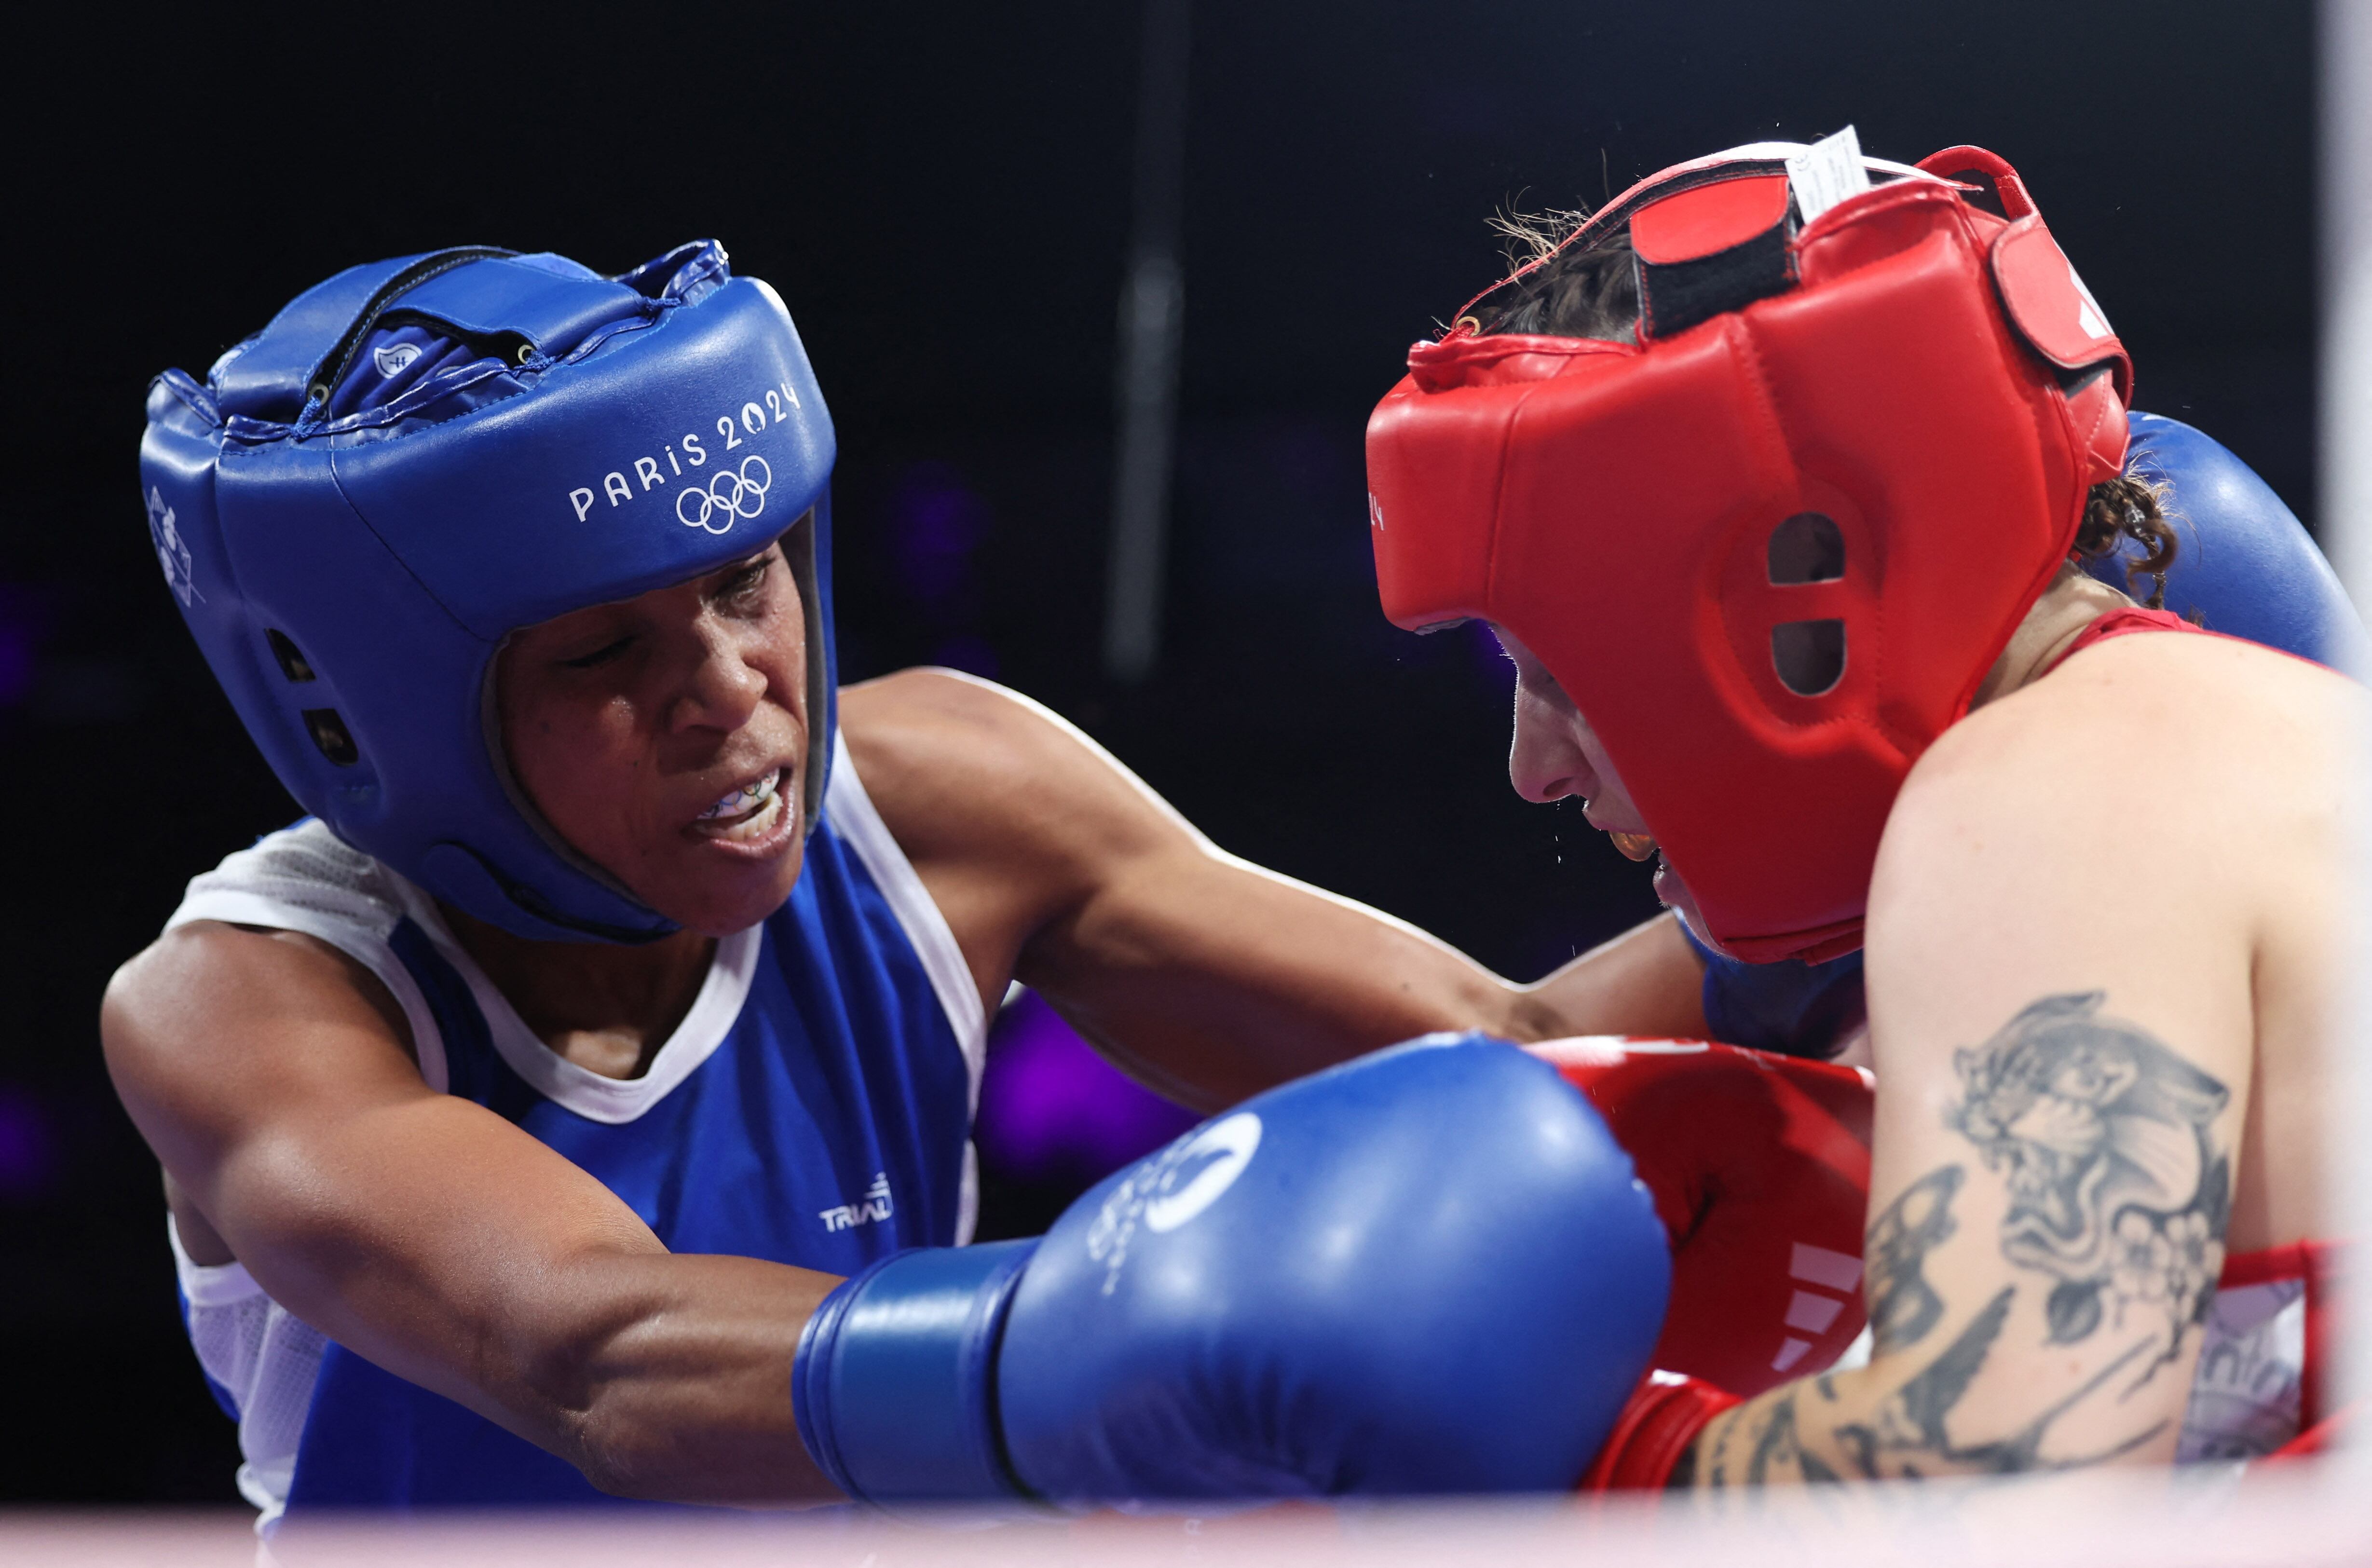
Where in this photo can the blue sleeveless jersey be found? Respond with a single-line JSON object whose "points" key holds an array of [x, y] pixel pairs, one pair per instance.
{"points": [[827, 1128]]}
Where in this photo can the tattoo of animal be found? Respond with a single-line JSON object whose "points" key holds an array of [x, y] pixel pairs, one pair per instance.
{"points": [[1903, 1305], [2117, 1189]]}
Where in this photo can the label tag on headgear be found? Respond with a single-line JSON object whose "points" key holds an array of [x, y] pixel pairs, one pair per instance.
{"points": [[1827, 172]]}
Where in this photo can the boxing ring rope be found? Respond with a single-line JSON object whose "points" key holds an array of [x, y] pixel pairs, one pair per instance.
{"points": [[2082, 1520], [2346, 508], [1152, 323]]}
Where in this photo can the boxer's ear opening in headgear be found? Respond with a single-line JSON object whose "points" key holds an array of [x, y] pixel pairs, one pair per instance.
{"points": [[1807, 548], [1808, 655], [290, 658], [332, 737]]}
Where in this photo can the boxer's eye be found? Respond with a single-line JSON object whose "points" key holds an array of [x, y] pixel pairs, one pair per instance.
{"points": [[600, 655], [745, 582]]}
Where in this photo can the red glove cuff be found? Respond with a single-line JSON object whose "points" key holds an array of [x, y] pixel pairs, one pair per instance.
{"points": [[1664, 1416]]}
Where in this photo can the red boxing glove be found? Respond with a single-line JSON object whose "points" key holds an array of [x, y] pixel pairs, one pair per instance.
{"points": [[1759, 1165], [1666, 1413]]}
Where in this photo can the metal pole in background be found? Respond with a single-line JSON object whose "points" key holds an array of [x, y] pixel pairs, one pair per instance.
{"points": [[1152, 311], [2344, 43]]}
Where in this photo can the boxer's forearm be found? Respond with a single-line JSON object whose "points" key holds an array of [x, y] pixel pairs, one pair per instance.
{"points": [[680, 1390], [1235, 980], [439, 1241], [1647, 982], [1210, 979], [1788, 1437], [1967, 1405], [662, 1376], [1293, 978], [1843, 1426]]}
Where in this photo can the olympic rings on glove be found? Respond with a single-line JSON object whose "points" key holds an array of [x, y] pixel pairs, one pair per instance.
{"points": [[737, 495]]}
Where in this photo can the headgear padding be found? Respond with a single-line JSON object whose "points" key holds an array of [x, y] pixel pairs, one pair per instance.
{"points": [[422, 456], [1771, 547]]}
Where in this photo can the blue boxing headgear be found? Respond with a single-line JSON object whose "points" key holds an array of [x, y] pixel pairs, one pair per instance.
{"points": [[422, 456]]}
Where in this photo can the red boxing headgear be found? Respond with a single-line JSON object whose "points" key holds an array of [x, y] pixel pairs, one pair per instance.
{"points": [[1771, 547]]}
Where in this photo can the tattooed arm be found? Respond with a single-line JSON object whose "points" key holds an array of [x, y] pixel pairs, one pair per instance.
{"points": [[2104, 1197], [2064, 1041]]}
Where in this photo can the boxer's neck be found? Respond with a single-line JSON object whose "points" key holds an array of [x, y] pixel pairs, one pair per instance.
{"points": [[606, 1008], [2073, 602]]}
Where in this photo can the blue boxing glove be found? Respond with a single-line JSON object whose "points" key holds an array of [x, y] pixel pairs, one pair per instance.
{"points": [[2245, 565], [1428, 1271], [1788, 1007]]}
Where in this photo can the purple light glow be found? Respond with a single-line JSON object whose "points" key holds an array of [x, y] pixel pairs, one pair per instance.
{"points": [[28, 1150], [1052, 1110], [1496, 668], [24, 622], [971, 654], [938, 524]]}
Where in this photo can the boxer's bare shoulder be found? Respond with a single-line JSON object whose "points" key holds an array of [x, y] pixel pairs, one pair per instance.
{"points": [[1011, 815], [204, 1004], [2168, 819], [2185, 699], [2202, 764], [214, 1023], [955, 763]]}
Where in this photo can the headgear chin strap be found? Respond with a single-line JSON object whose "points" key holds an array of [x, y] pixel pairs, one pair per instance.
{"points": [[1771, 547], [422, 456]]}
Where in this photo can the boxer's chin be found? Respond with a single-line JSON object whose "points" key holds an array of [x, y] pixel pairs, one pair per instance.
{"points": [[1678, 898]]}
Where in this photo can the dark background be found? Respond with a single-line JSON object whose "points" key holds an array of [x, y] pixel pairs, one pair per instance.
{"points": [[941, 192]]}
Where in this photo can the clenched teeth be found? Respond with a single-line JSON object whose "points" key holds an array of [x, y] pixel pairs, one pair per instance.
{"points": [[748, 815], [747, 799]]}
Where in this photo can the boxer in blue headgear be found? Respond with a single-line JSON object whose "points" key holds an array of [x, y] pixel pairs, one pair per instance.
{"points": [[520, 1105], [351, 534]]}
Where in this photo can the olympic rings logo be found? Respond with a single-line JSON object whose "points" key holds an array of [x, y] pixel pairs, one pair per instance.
{"points": [[739, 495]]}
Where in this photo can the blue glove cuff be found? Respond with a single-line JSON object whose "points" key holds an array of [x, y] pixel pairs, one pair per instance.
{"points": [[911, 1343], [1704, 955], [1787, 1006]]}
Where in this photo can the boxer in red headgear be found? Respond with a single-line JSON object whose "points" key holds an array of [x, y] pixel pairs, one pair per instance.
{"points": [[1769, 477]]}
